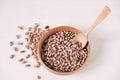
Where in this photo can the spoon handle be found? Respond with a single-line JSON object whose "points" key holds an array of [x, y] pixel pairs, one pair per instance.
{"points": [[99, 19]]}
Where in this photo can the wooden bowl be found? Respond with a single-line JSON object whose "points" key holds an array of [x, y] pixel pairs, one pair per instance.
{"points": [[53, 31]]}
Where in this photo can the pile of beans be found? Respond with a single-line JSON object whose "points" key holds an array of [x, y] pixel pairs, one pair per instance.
{"points": [[27, 47], [60, 54]]}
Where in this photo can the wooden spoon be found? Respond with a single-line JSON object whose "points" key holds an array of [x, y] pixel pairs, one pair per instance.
{"points": [[83, 37]]}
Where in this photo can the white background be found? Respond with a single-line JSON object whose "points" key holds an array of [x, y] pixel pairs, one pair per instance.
{"points": [[104, 62]]}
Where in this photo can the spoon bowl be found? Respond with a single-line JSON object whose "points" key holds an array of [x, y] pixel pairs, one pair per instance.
{"points": [[81, 38]]}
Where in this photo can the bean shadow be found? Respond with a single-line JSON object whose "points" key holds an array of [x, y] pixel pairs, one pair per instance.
{"points": [[96, 55]]}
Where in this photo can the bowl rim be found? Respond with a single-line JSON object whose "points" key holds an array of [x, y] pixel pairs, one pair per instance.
{"points": [[50, 32]]}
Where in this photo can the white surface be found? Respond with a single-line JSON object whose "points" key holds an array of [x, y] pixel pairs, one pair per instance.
{"points": [[104, 63]]}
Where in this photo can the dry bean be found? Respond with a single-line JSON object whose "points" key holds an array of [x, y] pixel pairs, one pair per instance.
{"points": [[28, 56], [18, 36], [27, 65], [20, 43], [15, 49], [38, 77], [23, 51], [12, 56], [11, 43], [20, 27], [20, 60]]}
